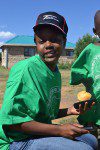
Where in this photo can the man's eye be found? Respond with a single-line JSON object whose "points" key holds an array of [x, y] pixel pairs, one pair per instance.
{"points": [[55, 41]]}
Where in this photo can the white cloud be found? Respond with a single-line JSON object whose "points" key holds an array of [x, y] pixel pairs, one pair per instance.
{"points": [[6, 35]]}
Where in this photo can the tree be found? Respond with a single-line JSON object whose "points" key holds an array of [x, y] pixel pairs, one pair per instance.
{"points": [[82, 43]]}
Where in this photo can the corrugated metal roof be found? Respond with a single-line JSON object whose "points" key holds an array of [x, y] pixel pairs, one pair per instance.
{"points": [[29, 40]]}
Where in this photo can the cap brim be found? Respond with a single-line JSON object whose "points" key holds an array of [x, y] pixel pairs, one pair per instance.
{"points": [[36, 27]]}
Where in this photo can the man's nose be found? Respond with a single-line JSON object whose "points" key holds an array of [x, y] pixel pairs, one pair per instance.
{"points": [[48, 44]]}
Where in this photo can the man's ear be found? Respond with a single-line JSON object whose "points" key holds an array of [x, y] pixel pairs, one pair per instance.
{"points": [[34, 40], [94, 31]]}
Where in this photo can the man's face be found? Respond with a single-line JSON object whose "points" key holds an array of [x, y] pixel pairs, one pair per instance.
{"points": [[50, 43]]}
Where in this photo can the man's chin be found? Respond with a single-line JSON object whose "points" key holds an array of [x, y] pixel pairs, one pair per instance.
{"points": [[51, 61]]}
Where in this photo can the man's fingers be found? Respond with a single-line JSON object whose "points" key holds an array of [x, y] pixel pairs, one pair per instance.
{"points": [[78, 125], [85, 106], [80, 130], [81, 110], [92, 104]]}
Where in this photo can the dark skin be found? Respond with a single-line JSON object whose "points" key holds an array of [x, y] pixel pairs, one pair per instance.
{"points": [[50, 43], [49, 48], [96, 29]]}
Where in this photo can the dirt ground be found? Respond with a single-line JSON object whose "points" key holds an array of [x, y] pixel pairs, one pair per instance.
{"points": [[69, 95]]}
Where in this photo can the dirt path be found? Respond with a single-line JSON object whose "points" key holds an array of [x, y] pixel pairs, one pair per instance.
{"points": [[69, 95]]}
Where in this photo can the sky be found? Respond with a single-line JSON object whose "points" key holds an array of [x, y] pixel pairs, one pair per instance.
{"points": [[17, 17]]}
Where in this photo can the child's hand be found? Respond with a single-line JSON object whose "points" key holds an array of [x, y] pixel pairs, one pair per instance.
{"points": [[79, 109], [84, 108]]}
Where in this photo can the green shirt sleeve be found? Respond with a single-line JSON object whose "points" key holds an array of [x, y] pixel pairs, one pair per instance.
{"points": [[79, 69], [17, 107]]}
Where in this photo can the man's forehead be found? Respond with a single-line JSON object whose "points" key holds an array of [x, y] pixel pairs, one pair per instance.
{"points": [[97, 20], [97, 15]]}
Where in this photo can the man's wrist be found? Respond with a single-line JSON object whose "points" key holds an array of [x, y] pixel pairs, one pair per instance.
{"points": [[69, 111], [62, 112]]}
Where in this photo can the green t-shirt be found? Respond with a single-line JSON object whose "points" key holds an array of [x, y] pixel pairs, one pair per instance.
{"points": [[33, 92], [86, 70]]}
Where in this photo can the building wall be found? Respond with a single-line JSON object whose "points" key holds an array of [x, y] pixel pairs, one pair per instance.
{"points": [[4, 53], [15, 54]]}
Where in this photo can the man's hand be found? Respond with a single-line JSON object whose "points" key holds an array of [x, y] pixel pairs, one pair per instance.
{"points": [[72, 130], [73, 111]]}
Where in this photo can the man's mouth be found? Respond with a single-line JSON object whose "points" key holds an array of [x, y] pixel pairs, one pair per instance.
{"points": [[50, 54], [50, 51]]}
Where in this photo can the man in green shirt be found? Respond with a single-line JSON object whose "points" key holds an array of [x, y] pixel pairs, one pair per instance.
{"points": [[33, 94]]}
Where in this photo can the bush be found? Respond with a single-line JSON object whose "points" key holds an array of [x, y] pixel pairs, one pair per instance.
{"points": [[66, 65], [82, 43]]}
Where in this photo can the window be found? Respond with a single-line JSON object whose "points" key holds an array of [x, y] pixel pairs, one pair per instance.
{"points": [[29, 51], [70, 53]]}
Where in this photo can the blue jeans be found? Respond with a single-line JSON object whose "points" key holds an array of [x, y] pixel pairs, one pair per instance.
{"points": [[84, 142]]}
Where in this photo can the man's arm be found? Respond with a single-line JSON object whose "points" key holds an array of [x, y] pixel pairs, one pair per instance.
{"points": [[68, 111], [63, 112], [34, 128], [37, 128]]}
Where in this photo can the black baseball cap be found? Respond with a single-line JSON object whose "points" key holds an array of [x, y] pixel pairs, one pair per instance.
{"points": [[53, 19]]}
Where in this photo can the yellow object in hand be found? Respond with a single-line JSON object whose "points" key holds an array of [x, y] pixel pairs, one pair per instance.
{"points": [[83, 96]]}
